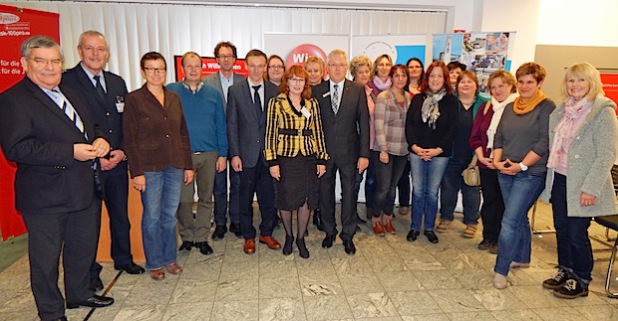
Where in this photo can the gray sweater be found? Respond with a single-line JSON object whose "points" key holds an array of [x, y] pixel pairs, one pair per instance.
{"points": [[519, 134]]}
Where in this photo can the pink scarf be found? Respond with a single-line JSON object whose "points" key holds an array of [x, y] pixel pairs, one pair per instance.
{"points": [[575, 113], [382, 85]]}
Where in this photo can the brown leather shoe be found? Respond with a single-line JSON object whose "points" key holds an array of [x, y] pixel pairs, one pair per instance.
{"points": [[174, 268], [389, 227], [249, 247], [378, 229], [270, 242], [157, 274]]}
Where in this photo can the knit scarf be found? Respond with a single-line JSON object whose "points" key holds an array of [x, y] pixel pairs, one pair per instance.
{"points": [[430, 112], [566, 129], [382, 85], [498, 108], [521, 108]]}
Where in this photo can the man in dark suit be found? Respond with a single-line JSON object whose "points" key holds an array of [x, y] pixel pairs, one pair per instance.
{"points": [[345, 119], [225, 53], [47, 130], [246, 127], [104, 93]]}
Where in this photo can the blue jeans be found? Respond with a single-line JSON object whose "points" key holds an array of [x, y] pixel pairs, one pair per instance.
{"points": [[520, 192], [426, 177], [574, 249], [220, 193], [388, 176], [452, 183], [160, 200]]}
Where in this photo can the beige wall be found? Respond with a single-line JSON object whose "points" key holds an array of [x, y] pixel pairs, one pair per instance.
{"points": [[556, 59]]}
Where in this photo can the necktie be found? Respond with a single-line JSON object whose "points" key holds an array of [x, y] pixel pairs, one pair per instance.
{"points": [[70, 112], [335, 99], [99, 87], [256, 99]]}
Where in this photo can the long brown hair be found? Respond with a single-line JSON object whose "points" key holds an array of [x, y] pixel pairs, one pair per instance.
{"points": [[441, 66]]}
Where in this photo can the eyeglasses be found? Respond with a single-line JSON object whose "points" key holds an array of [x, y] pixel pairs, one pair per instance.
{"points": [[152, 70], [226, 57], [297, 80], [275, 67], [44, 62]]}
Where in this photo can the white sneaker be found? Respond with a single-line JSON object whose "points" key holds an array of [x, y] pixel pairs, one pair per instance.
{"points": [[500, 281]]}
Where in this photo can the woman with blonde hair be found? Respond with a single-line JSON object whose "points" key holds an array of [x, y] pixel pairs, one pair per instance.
{"points": [[360, 68], [380, 79], [582, 151], [315, 68], [503, 92]]}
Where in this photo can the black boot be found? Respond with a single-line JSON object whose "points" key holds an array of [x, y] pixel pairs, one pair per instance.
{"points": [[287, 247], [317, 220], [302, 248]]}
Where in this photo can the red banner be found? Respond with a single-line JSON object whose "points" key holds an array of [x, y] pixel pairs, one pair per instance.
{"points": [[17, 25], [610, 86], [209, 66]]}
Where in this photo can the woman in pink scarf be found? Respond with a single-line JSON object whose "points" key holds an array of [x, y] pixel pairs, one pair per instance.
{"points": [[582, 138]]}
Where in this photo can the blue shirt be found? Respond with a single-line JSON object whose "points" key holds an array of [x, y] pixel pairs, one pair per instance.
{"points": [[205, 118]]}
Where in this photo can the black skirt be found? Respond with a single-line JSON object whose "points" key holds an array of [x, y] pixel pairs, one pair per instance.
{"points": [[298, 183]]}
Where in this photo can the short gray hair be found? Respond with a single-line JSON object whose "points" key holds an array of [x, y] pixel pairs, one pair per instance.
{"points": [[35, 42], [91, 33], [337, 52]]}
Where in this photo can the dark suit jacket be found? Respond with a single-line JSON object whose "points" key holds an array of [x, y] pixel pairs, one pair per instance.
{"points": [[215, 81], [245, 128], [105, 113], [37, 135], [346, 133]]}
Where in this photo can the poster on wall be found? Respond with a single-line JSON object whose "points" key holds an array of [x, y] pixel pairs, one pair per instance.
{"points": [[209, 66], [610, 85], [17, 25], [481, 52], [399, 47], [295, 49]]}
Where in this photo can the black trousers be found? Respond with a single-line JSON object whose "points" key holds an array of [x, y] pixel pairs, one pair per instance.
{"points": [[493, 205], [257, 180], [347, 174], [49, 235], [116, 193]]}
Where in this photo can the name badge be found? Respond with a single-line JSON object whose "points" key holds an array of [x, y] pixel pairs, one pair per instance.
{"points": [[120, 104], [326, 94], [305, 112]]}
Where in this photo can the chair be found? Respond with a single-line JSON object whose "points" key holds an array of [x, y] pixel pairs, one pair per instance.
{"points": [[610, 222]]}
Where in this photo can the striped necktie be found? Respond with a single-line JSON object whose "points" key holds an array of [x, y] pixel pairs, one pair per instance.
{"points": [[335, 99], [70, 112]]}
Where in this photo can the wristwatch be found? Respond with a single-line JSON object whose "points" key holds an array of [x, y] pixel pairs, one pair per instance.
{"points": [[523, 167]]}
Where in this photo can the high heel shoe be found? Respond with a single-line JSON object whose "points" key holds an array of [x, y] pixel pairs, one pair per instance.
{"points": [[287, 247], [302, 248]]}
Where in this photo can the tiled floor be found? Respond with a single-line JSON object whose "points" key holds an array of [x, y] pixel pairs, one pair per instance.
{"points": [[388, 279]]}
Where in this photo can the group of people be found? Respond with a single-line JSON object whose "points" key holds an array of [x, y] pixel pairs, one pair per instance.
{"points": [[286, 133]]}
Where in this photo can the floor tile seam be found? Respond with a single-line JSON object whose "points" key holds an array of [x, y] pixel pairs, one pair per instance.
{"points": [[582, 317], [218, 279], [300, 287]]}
